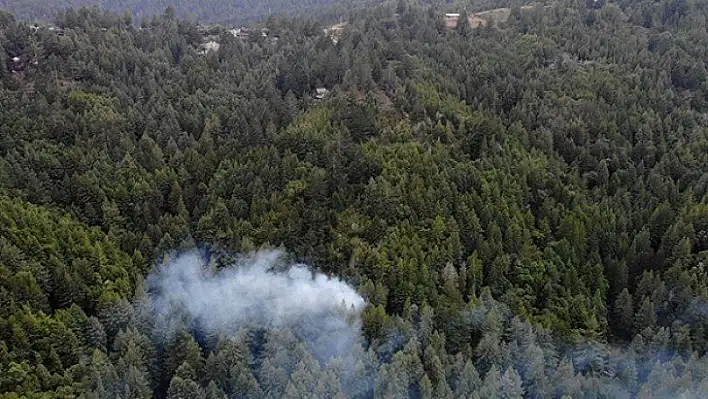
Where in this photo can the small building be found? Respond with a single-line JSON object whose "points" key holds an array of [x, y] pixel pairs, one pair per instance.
{"points": [[56, 30], [210, 46], [451, 20], [321, 93], [20, 63], [240, 33]]}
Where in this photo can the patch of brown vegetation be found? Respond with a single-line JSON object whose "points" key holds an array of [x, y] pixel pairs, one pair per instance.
{"points": [[497, 15], [384, 101], [476, 21]]}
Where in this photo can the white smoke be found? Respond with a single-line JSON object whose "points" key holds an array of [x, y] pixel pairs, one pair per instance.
{"points": [[257, 290]]}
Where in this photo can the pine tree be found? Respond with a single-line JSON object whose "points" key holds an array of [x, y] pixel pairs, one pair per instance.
{"points": [[274, 379], [492, 384], [426, 388], [645, 316], [463, 25], [624, 313], [184, 350], [184, 389], [565, 380], [102, 377], [511, 385], [135, 383], [115, 316], [213, 392], [392, 382], [95, 335]]}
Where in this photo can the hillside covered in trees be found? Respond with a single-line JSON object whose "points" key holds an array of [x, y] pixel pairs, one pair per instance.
{"points": [[522, 205], [205, 11]]}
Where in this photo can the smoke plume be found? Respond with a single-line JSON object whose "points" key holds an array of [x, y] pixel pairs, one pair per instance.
{"points": [[258, 290], [262, 292]]}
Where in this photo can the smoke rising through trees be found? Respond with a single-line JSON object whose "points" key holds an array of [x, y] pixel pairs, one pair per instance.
{"points": [[258, 290], [523, 207], [304, 326]]}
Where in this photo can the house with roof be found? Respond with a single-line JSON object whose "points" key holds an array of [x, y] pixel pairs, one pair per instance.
{"points": [[451, 20]]}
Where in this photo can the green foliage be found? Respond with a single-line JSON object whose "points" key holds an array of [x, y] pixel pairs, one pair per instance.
{"points": [[216, 11], [552, 167]]}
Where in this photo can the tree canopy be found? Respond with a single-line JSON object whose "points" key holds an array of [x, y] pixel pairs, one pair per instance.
{"points": [[521, 203]]}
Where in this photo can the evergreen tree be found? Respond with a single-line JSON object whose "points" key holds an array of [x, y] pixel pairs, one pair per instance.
{"points": [[184, 389]]}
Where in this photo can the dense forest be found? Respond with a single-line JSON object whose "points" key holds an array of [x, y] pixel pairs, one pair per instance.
{"points": [[206, 11], [522, 205]]}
